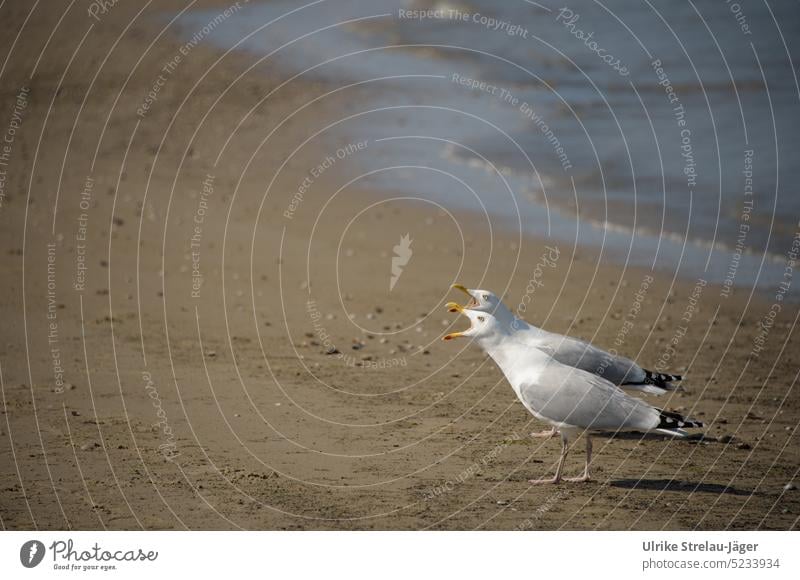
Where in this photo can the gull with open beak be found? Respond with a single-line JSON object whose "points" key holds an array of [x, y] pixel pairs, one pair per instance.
{"points": [[570, 399], [571, 351]]}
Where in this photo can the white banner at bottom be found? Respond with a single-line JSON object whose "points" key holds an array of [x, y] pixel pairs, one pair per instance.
{"points": [[401, 555]]}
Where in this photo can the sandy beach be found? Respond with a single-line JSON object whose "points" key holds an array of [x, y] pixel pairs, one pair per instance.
{"points": [[201, 328]]}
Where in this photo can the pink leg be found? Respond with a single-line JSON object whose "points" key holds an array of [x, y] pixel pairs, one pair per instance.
{"points": [[557, 477], [546, 434], [585, 476]]}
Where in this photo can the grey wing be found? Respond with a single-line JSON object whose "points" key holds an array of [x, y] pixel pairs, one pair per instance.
{"points": [[575, 397], [582, 355]]}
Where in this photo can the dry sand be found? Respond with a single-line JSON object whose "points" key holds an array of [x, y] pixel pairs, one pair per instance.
{"points": [[222, 410]]}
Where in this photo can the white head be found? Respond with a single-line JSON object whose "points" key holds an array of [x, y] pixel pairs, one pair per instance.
{"points": [[484, 327], [485, 301]]}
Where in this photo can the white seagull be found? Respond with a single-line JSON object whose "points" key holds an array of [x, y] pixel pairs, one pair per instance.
{"points": [[570, 399], [570, 351]]}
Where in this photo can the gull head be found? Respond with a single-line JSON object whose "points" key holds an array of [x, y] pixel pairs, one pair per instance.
{"points": [[481, 300], [482, 325]]}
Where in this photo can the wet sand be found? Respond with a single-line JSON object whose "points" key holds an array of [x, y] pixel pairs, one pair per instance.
{"points": [[188, 343]]}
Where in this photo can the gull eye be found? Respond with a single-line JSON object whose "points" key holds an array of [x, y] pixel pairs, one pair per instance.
{"points": [[486, 297], [481, 318]]}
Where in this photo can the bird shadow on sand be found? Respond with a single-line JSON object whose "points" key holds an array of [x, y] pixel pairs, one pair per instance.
{"points": [[682, 486], [672, 484]]}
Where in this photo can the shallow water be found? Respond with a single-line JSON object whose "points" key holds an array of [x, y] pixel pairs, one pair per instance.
{"points": [[621, 126]]}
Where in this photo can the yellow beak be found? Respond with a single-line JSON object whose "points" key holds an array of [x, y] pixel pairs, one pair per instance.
{"points": [[452, 335], [452, 306], [455, 307]]}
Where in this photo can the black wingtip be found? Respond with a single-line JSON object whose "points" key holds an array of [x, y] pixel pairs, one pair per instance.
{"points": [[671, 420], [660, 379]]}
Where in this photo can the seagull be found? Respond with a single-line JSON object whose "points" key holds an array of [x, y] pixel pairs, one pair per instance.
{"points": [[572, 400], [571, 351]]}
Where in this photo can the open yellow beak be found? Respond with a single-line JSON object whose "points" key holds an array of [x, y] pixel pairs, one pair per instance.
{"points": [[452, 306], [472, 302], [455, 307]]}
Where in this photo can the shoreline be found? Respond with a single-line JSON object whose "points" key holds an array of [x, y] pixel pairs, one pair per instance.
{"points": [[641, 231], [230, 371]]}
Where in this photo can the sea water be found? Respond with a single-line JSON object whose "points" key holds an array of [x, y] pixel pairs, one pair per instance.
{"points": [[661, 134]]}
